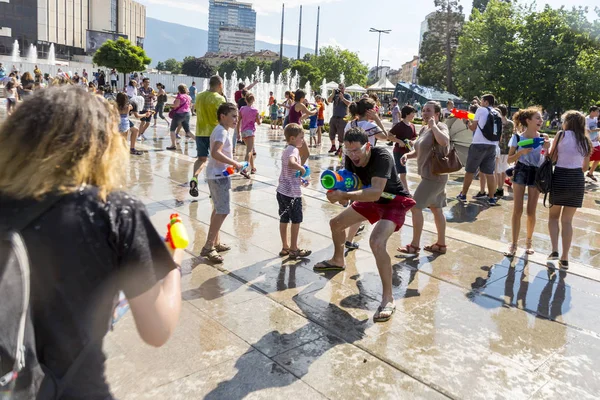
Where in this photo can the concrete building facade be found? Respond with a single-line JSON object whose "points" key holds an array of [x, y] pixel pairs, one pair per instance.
{"points": [[71, 25]]}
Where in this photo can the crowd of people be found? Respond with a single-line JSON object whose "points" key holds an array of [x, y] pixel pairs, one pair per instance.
{"points": [[77, 136]]}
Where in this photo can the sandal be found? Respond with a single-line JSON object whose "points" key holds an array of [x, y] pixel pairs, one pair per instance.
{"points": [[220, 248], [135, 152], [388, 309], [441, 248], [211, 255], [512, 250], [592, 177], [300, 253], [284, 252], [529, 247], [409, 249], [327, 266], [172, 148], [553, 262], [253, 171]]}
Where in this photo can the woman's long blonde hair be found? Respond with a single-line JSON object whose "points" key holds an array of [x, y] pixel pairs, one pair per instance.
{"points": [[59, 140]]}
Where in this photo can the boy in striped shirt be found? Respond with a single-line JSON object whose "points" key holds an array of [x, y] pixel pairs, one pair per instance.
{"points": [[289, 194]]}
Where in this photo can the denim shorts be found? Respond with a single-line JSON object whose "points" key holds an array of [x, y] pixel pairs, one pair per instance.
{"points": [[524, 174], [202, 145], [482, 156], [400, 169]]}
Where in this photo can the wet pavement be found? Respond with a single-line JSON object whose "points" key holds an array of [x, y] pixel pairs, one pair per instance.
{"points": [[469, 324]]}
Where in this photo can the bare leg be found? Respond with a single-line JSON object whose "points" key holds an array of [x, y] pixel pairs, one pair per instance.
{"points": [[491, 184], [338, 225], [134, 135], [216, 221], [532, 200], [249, 151], [553, 226], [440, 225], [294, 240], [199, 165], [593, 167], [378, 242], [566, 222], [467, 183], [418, 221], [519, 193], [283, 233], [352, 232], [482, 182]]}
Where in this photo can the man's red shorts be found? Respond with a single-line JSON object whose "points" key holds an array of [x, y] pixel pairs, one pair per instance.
{"points": [[394, 211]]}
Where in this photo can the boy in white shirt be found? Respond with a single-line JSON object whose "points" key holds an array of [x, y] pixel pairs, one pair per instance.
{"points": [[591, 123], [219, 184]]}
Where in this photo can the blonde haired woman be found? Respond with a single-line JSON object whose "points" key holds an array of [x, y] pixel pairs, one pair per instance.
{"points": [[62, 158]]}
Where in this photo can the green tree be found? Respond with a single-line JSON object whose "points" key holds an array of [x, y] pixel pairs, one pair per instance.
{"points": [[560, 70], [160, 66], [307, 72], [122, 55], [332, 61], [275, 65], [489, 57], [173, 66], [196, 67], [439, 45], [228, 67]]}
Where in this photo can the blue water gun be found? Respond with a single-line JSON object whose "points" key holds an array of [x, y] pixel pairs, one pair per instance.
{"points": [[306, 175], [230, 170], [341, 180], [531, 143]]}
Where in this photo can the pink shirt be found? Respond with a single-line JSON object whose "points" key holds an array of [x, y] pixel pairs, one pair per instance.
{"points": [[289, 184], [569, 155], [248, 114], [184, 103]]}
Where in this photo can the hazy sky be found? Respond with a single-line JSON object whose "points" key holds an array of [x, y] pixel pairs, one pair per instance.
{"points": [[344, 23]]}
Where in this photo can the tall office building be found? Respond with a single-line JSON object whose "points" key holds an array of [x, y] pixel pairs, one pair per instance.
{"points": [[424, 28], [75, 27], [231, 26]]}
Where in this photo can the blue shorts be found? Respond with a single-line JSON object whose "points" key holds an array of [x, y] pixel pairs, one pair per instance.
{"points": [[273, 117], [524, 174], [320, 122], [203, 146], [400, 169]]}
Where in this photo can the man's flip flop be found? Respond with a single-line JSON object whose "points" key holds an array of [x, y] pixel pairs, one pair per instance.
{"points": [[326, 266], [386, 309]]}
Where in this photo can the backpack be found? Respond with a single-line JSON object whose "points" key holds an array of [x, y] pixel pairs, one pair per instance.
{"points": [[21, 375], [492, 130]]}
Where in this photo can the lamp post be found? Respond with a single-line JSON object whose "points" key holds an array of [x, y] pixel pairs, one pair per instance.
{"points": [[379, 31]]}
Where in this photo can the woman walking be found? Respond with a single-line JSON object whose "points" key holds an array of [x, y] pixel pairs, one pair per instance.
{"points": [[571, 149], [529, 121], [181, 107], [508, 128], [431, 192], [161, 100]]}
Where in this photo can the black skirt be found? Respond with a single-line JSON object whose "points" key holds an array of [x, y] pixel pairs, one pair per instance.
{"points": [[568, 186]]}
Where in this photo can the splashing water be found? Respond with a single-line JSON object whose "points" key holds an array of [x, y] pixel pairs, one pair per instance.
{"points": [[51, 55], [16, 54], [32, 54]]}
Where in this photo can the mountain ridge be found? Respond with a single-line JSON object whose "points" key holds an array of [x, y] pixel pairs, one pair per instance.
{"points": [[166, 40]]}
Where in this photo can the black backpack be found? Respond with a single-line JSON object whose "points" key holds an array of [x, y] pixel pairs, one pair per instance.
{"points": [[21, 375], [492, 129]]}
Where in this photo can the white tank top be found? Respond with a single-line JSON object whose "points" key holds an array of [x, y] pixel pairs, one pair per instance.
{"points": [[569, 154]]}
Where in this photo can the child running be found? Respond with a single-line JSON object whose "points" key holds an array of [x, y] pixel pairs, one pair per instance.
{"points": [[219, 185], [289, 194], [249, 118], [273, 109]]}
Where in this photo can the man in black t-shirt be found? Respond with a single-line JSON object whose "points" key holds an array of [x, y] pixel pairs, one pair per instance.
{"points": [[384, 202]]}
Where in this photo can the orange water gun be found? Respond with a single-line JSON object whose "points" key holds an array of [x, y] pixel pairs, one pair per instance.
{"points": [[177, 236], [462, 114]]}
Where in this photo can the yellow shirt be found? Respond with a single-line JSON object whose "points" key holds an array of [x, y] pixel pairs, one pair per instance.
{"points": [[207, 104]]}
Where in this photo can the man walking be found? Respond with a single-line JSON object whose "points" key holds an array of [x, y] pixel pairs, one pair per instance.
{"points": [[207, 104], [337, 124], [482, 152]]}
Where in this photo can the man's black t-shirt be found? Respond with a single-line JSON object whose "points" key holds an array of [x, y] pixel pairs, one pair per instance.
{"points": [[380, 165], [82, 252]]}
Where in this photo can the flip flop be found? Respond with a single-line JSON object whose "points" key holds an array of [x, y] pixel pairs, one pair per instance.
{"points": [[326, 266], [387, 309]]}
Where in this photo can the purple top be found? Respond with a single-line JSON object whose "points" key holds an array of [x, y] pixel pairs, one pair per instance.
{"points": [[569, 155], [184, 103], [294, 117]]}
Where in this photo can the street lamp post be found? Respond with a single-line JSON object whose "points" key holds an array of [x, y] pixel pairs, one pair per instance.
{"points": [[379, 31]]}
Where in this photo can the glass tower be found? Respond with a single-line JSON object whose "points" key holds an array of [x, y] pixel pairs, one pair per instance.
{"points": [[230, 14]]}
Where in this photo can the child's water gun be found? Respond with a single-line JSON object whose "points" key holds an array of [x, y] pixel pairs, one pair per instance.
{"points": [[531, 143], [407, 144], [341, 180], [304, 177], [462, 114], [231, 169], [177, 234]]}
